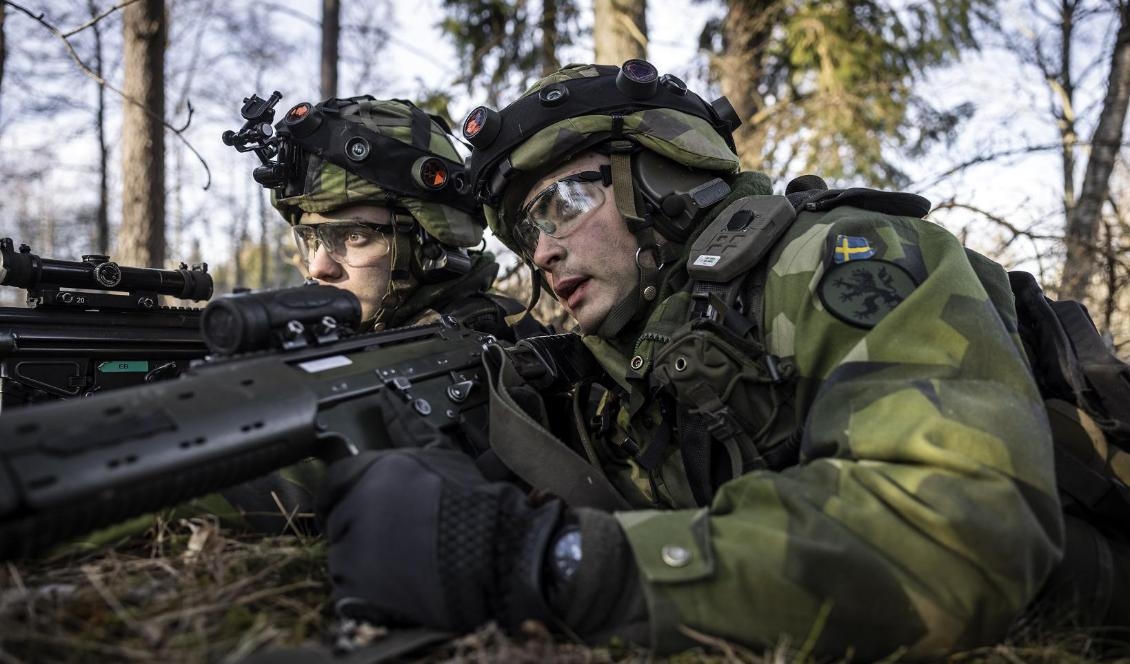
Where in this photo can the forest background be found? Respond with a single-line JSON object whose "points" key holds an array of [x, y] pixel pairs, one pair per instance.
{"points": [[1008, 116]]}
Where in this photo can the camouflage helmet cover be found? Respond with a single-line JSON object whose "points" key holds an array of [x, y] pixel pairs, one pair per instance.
{"points": [[682, 136], [329, 186]]}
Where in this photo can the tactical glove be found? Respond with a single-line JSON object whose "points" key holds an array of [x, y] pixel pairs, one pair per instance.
{"points": [[419, 537]]}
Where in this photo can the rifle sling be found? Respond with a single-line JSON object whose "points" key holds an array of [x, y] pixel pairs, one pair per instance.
{"points": [[536, 455]]}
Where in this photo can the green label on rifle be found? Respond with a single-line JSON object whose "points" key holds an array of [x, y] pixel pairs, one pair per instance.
{"points": [[134, 366]]}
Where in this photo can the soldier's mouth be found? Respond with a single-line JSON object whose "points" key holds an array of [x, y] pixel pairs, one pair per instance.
{"points": [[571, 290]]}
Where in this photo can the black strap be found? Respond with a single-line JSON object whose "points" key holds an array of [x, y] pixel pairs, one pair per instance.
{"points": [[1107, 376], [695, 446], [421, 129]]}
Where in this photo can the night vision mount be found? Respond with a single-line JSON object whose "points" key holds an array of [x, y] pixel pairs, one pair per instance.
{"points": [[323, 131], [258, 136]]}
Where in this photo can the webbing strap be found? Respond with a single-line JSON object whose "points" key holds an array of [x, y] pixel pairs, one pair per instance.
{"points": [[622, 187], [421, 129], [536, 455], [695, 447], [1081, 470], [1108, 376], [399, 279]]}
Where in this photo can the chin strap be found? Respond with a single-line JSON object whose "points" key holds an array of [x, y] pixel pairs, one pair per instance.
{"points": [[535, 295], [400, 282], [648, 259]]}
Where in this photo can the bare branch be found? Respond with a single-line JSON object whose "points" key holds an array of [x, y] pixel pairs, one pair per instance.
{"points": [[74, 31], [985, 158], [90, 73], [996, 219]]}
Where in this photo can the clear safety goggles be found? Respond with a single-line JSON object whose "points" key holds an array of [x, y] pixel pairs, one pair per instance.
{"points": [[352, 243], [559, 209]]}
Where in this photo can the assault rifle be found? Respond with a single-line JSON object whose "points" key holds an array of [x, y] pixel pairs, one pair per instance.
{"points": [[93, 325], [71, 466]]}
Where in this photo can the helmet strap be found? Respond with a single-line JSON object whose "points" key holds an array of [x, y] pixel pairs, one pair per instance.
{"points": [[535, 294], [648, 262], [400, 282]]}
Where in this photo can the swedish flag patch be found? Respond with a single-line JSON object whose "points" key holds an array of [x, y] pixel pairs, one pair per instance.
{"points": [[851, 248]]}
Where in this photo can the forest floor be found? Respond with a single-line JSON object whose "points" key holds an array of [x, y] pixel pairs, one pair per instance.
{"points": [[188, 591]]}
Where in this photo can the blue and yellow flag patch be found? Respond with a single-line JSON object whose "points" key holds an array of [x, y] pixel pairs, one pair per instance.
{"points": [[851, 248]]}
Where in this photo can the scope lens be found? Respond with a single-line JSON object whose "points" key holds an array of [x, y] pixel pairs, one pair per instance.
{"points": [[221, 328]]}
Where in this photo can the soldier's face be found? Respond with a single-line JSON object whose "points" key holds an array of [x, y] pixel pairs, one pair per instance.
{"points": [[591, 268], [354, 259]]}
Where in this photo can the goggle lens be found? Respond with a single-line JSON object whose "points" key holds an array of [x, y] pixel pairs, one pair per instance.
{"points": [[351, 243], [558, 209]]}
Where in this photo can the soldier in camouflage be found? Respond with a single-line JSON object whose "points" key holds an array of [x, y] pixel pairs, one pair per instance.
{"points": [[404, 254], [392, 238], [830, 435]]}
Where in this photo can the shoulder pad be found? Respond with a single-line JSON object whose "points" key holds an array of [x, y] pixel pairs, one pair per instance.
{"points": [[738, 238]]}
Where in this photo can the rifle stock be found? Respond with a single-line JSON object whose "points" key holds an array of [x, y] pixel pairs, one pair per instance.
{"points": [[71, 466]]}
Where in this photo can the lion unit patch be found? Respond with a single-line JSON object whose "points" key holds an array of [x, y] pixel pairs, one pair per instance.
{"points": [[863, 292]]}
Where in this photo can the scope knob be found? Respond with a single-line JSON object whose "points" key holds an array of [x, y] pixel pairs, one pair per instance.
{"points": [[108, 274]]}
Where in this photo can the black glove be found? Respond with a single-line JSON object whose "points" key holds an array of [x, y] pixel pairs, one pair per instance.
{"points": [[419, 537]]}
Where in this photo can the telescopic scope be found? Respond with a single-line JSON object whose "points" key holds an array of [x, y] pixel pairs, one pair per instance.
{"points": [[24, 269], [283, 318]]}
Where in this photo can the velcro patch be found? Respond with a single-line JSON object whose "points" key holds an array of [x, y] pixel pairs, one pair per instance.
{"points": [[851, 248], [863, 292]]}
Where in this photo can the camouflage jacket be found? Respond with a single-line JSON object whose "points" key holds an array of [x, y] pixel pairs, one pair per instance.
{"points": [[901, 496]]}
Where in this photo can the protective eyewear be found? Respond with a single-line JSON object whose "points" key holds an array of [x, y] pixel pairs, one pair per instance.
{"points": [[352, 243], [560, 208]]}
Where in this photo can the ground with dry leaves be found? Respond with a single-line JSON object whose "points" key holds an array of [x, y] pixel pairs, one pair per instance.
{"points": [[189, 591]]}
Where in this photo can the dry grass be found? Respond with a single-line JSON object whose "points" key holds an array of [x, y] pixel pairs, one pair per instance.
{"points": [[191, 592]]}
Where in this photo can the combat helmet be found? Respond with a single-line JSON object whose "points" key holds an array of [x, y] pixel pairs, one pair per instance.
{"points": [[348, 151], [667, 145]]}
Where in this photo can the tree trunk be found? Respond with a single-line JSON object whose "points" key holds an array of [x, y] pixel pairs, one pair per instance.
{"points": [[746, 31], [1065, 120], [102, 216], [142, 238], [3, 46], [619, 30], [1083, 220], [549, 37], [331, 29]]}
